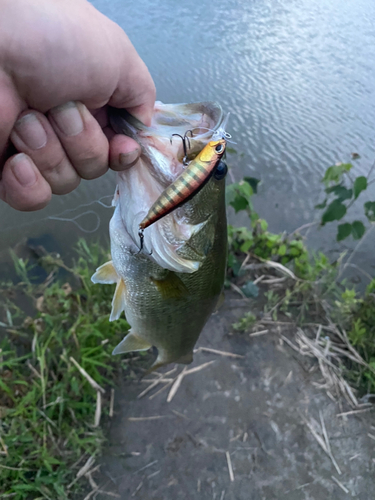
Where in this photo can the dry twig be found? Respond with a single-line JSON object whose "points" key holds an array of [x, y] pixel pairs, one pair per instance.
{"points": [[112, 403], [89, 379], [340, 484], [98, 410], [220, 353], [230, 468], [322, 441]]}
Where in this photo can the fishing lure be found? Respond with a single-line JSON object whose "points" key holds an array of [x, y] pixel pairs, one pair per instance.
{"points": [[186, 184]]}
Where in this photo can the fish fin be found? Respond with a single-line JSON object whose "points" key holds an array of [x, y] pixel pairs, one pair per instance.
{"points": [[131, 343], [105, 274], [170, 287], [161, 360], [118, 301], [220, 301]]}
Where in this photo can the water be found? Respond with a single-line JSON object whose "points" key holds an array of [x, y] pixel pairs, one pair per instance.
{"points": [[297, 76]]}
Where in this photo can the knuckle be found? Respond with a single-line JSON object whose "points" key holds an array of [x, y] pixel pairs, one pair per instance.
{"points": [[67, 186], [88, 154], [52, 166], [91, 170], [90, 162]]}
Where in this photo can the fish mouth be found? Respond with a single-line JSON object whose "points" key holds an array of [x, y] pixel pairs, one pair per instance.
{"points": [[160, 143], [160, 163]]}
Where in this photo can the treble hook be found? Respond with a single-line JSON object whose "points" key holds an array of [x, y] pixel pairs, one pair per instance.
{"points": [[184, 139]]}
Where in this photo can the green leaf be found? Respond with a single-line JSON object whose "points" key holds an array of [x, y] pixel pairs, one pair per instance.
{"points": [[239, 196], [250, 289], [343, 231], [245, 189], [246, 246], [335, 172], [360, 184], [370, 210], [263, 224], [341, 192], [239, 203], [253, 183], [335, 211], [321, 205], [282, 250], [346, 166], [358, 229]]}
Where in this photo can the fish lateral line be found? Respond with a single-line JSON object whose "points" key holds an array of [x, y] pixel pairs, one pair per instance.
{"points": [[187, 184]]}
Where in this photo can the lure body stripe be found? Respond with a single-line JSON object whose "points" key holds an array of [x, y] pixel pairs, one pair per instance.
{"points": [[187, 183]]}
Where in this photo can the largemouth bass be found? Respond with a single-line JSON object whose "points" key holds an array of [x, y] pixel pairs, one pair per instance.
{"points": [[170, 288]]}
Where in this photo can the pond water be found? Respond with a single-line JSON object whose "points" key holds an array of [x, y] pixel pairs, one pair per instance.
{"points": [[297, 76]]}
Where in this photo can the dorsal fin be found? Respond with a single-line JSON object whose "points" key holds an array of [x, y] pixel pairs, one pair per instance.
{"points": [[105, 274]]}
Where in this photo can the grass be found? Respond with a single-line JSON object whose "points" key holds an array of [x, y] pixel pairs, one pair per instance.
{"points": [[47, 408]]}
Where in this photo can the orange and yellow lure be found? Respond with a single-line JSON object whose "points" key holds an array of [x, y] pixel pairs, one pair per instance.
{"points": [[186, 184]]}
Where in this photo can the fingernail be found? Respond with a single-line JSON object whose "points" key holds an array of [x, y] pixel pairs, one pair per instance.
{"points": [[68, 119], [31, 131], [23, 170], [128, 160]]}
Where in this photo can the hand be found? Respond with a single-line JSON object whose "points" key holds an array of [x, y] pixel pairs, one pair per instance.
{"points": [[61, 64]]}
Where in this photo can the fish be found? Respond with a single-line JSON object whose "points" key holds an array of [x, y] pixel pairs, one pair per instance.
{"points": [[169, 288]]}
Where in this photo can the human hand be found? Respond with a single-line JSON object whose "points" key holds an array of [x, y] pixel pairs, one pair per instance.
{"points": [[61, 64]]}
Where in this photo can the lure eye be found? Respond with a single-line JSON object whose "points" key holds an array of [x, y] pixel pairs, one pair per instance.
{"points": [[219, 148], [221, 170]]}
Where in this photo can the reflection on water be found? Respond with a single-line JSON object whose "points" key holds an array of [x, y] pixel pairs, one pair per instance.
{"points": [[297, 77]]}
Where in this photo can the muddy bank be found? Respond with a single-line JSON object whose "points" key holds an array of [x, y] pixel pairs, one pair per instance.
{"points": [[239, 428]]}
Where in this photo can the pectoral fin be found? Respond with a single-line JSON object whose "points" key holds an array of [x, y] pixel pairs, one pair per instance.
{"points": [[171, 286], [105, 274], [131, 343], [118, 301]]}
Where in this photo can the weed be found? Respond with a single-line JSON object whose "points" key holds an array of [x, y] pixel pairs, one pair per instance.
{"points": [[47, 408], [245, 323], [316, 292]]}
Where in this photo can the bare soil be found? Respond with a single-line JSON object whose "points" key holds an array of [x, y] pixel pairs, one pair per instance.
{"points": [[241, 428]]}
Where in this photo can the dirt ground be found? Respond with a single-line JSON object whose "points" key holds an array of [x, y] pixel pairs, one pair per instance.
{"points": [[240, 428]]}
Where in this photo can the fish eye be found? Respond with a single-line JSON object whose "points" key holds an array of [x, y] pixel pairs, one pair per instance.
{"points": [[221, 170], [219, 148]]}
